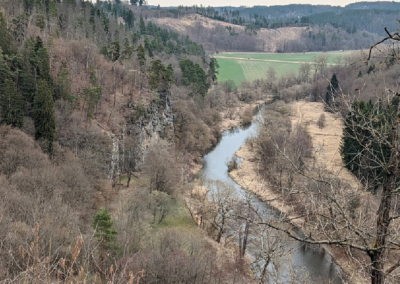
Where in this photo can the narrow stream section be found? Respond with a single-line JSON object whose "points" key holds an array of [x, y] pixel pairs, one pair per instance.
{"points": [[311, 263]]}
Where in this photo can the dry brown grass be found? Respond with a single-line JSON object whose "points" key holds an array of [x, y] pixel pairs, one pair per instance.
{"points": [[326, 141]]}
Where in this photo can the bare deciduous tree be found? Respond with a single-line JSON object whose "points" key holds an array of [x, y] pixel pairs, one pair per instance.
{"points": [[333, 213], [160, 168]]}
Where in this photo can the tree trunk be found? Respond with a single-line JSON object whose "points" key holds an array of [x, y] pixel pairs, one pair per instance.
{"points": [[221, 230], [129, 179], [244, 242], [377, 272], [265, 270], [378, 252]]}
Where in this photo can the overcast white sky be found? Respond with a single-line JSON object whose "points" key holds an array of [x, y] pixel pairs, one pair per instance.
{"points": [[248, 2]]}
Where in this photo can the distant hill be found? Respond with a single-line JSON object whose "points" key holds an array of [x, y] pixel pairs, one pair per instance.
{"points": [[371, 17], [221, 36]]}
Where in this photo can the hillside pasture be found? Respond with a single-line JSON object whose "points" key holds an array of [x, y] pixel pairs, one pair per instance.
{"points": [[241, 67]]}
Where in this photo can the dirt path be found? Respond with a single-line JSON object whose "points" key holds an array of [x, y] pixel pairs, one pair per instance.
{"points": [[270, 60], [300, 120]]}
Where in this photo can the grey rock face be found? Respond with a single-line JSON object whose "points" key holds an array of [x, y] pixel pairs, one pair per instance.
{"points": [[147, 124]]}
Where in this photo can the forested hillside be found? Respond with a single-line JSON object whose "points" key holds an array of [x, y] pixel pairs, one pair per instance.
{"points": [[321, 27], [95, 98]]}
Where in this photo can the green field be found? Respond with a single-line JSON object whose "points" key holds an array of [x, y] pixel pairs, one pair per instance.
{"points": [[240, 67]]}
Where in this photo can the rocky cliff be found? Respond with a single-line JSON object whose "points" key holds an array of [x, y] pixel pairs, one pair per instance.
{"points": [[156, 121]]}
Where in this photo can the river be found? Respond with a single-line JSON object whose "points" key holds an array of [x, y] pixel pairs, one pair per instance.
{"points": [[311, 263]]}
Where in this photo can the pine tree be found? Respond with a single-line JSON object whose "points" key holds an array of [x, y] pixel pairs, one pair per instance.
{"points": [[332, 89], [142, 26], [5, 71], [141, 56], [43, 65], [12, 104], [362, 152], [148, 46], [63, 86], [213, 69], [27, 82], [160, 77], [102, 224], [6, 41], [44, 118]]}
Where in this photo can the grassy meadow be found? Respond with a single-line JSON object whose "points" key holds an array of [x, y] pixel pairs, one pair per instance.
{"points": [[241, 67]]}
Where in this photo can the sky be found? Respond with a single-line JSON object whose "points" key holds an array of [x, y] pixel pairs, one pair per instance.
{"points": [[249, 3]]}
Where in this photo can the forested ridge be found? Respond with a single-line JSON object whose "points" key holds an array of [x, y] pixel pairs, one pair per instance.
{"points": [[326, 27], [352, 16]]}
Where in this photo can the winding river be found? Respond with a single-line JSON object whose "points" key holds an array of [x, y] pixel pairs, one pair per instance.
{"points": [[311, 263]]}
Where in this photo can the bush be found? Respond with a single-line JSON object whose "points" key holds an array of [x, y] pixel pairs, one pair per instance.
{"points": [[321, 122], [233, 164], [247, 115]]}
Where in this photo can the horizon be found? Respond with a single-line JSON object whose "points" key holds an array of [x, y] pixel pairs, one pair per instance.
{"points": [[251, 3]]}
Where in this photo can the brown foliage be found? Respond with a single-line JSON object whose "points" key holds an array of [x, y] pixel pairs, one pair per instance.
{"points": [[160, 168]]}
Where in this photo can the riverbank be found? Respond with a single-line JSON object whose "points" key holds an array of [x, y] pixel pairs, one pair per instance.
{"points": [[327, 140], [233, 117]]}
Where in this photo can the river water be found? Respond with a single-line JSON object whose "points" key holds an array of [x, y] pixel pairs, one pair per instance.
{"points": [[311, 263]]}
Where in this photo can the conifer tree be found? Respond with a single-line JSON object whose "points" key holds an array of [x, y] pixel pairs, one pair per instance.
{"points": [[332, 89], [26, 81], [142, 26], [43, 65], [63, 85], [4, 68], [5, 42], [160, 77], [367, 164], [102, 224], [141, 56], [12, 104], [213, 69], [44, 118], [148, 46]]}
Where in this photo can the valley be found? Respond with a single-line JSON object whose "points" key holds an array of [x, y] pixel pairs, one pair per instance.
{"points": [[191, 144]]}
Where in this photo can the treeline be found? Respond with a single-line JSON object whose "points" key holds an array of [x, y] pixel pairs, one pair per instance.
{"points": [[328, 27], [369, 20], [343, 32], [352, 17], [328, 38], [155, 39]]}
